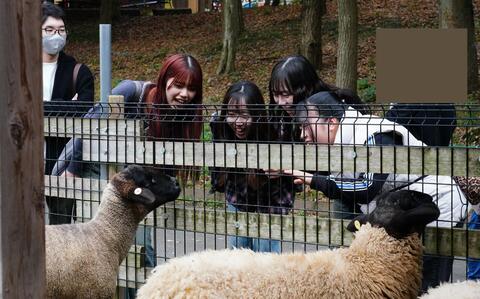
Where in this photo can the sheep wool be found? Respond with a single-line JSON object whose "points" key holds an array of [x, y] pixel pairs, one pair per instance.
{"points": [[376, 265], [468, 289], [82, 259]]}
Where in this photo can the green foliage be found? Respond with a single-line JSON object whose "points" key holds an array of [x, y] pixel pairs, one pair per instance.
{"points": [[215, 204], [116, 81], [366, 90], [206, 133]]}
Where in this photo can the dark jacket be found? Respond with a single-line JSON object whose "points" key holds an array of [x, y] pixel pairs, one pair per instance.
{"points": [[262, 194], [252, 190], [61, 104], [433, 124], [337, 189], [63, 89]]}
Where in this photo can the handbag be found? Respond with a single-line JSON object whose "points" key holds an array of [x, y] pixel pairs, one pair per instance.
{"points": [[470, 186]]}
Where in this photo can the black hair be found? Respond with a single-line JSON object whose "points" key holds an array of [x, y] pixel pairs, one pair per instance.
{"points": [[248, 94], [51, 10], [298, 76], [326, 104]]}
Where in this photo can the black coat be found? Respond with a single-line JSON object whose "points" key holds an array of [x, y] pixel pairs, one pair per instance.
{"points": [[61, 104], [63, 89]]}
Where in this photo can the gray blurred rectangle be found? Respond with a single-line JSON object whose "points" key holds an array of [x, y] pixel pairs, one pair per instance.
{"points": [[421, 65]]}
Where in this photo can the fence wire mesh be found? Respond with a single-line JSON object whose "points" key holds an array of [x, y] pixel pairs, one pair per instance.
{"points": [[274, 180]]}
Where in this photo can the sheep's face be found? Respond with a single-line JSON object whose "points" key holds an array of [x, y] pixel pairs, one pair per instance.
{"points": [[146, 186], [401, 213]]}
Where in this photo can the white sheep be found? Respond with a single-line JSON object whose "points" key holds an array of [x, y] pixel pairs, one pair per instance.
{"points": [[82, 260], [468, 289], [384, 261]]}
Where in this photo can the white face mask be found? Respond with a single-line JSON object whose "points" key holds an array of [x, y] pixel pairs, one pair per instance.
{"points": [[53, 44]]}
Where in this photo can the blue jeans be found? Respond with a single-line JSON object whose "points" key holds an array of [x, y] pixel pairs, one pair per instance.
{"points": [[255, 244], [143, 236], [473, 267]]}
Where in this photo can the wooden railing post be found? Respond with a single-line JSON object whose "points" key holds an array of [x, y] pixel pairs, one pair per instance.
{"points": [[22, 237], [116, 112]]}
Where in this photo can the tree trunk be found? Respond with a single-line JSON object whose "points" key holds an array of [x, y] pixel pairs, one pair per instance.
{"points": [[241, 23], [347, 45], [231, 33], [324, 7], [311, 44], [459, 14], [22, 223], [275, 2], [109, 11]]}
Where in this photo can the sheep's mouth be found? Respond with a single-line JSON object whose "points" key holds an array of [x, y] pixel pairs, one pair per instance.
{"points": [[167, 194], [174, 195]]}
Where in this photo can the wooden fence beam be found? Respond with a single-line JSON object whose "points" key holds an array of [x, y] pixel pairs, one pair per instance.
{"points": [[446, 161], [92, 128], [199, 217]]}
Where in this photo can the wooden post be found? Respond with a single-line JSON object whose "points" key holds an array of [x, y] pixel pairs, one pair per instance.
{"points": [[193, 4], [22, 237], [116, 103]]}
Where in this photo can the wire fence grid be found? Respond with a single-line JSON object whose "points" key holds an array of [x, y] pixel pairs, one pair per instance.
{"points": [[234, 165]]}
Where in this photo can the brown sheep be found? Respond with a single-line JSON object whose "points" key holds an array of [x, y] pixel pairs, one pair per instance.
{"points": [[83, 259]]}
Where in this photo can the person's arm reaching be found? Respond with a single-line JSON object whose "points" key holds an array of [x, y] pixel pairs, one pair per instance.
{"points": [[362, 188]]}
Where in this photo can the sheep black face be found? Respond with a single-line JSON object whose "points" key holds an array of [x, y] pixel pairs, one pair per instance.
{"points": [[401, 213], [147, 186]]}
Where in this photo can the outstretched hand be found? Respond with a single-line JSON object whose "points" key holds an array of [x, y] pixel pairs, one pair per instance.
{"points": [[272, 173], [301, 177]]}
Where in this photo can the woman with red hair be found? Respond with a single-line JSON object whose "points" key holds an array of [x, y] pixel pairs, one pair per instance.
{"points": [[171, 109], [174, 105]]}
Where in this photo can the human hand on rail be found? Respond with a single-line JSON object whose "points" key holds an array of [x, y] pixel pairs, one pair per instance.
{"points": [[301, 177], [68, 174], [272, 173]]}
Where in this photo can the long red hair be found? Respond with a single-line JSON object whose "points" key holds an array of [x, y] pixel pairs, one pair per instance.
{"points": [[186, 71]]}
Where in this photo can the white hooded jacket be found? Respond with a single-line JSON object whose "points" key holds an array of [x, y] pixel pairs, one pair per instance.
{"points": [[358, 129]]}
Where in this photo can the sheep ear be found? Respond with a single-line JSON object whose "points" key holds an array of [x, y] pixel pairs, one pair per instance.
{"points": [[143, 195], [409, 199], [417, 218], [355, 224]]}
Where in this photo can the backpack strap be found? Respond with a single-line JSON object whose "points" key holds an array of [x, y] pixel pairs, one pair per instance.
{"points": [[138, 90], [408, 184], [146, 87], [76, 69]]}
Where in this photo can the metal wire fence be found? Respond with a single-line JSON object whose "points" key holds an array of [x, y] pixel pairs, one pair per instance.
{"points": [[242, 170]]}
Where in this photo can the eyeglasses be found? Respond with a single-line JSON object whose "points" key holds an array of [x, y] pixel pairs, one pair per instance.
{"points": [[52, 31]]}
